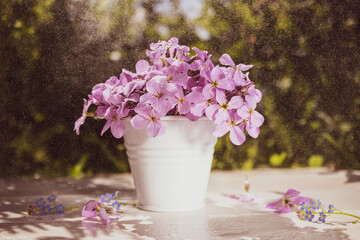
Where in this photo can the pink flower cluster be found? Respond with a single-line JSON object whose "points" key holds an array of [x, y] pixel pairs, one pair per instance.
{"points": [[178, 84]]}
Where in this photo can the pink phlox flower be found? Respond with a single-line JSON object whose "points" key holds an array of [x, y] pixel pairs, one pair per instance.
{"points": [[97, 93], [184, 102], [201, 55], [237, 70], [94, 208], [191, 116], [142, 68], [208, 64], [219, 111], [103, 216], [90, 209], [177, 73], [150, 118], [216, 79], [172, 83], [144, 72], [198, 109], [253, 95], [169, 49], [81, 120], [114, 117], [103, 92], [159, 94], [202, 60], [113, 95], [289, 200], [252, 117], [138, 84], [101, 111], [191, 83], [233, 124]]}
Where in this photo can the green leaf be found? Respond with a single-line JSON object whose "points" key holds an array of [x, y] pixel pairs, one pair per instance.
{"points": [[277, 159]]}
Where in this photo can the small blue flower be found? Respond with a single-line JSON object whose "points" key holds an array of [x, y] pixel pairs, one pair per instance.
{"points": [[114, 195], [59, 208], [316, 205], [309, 215], [331, 208], [322, 217], [40, 203], [52, 198], [305, 206], [46, 209], [106, 198], [116, 205]]}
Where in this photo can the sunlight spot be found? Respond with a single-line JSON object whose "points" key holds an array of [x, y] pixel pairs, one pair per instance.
{"points": [[129, 227], [115, 56], [202, 33]]}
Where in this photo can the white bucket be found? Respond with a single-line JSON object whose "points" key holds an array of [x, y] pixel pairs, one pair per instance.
{"points": [[171, 171]]}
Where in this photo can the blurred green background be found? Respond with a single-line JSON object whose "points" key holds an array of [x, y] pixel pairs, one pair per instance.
{"points": [[306, 57]]}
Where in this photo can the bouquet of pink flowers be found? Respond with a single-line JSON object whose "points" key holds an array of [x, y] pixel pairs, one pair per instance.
{"points": [[178, 84]]}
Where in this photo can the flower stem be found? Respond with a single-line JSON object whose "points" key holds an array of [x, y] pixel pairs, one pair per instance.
{"points": [[347, 214], [71, 208], [339, 210], [128, 203]]}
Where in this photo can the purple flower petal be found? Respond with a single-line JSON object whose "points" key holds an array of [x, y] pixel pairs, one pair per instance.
{"points": [[298, 200], [225, 59], [211, 110], [256, 119], [244, 67], [220, 97], [117, 128], [198, 109], [274, 204], [226, 84], [106, 127], [290, 192], [192, 117], [237, 135], [243, 112], [103, 215], [253, 131], [205, 73], [89, 210], [221, 130], [142, 66], [153, 129], [216, 74], [184, 107], [239, 79], [101, 110], [222, 115], [139, 122], [284, 209], [208, 92], [236, 102], [81, 120], [195, 97]]}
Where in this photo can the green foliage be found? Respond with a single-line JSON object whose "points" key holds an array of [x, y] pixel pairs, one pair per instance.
{"points": [[306, 57], [76, 171], [316, 161], [277, 159], [306, 61]]}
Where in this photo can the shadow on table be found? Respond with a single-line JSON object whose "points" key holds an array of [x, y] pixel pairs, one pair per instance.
{"points": [[17, 195], [352, 177]]}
